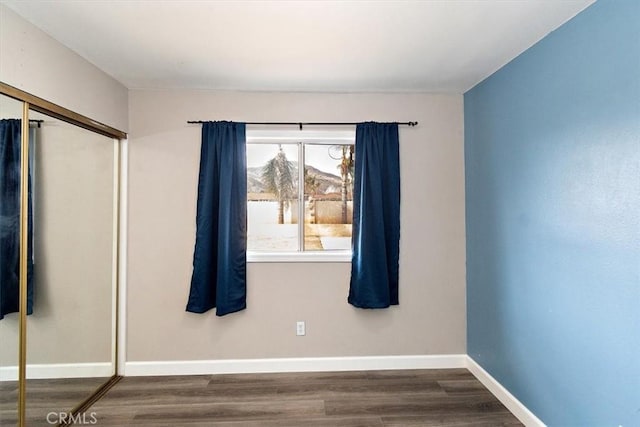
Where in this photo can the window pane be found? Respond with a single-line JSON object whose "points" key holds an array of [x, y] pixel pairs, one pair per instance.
{"points": [[272, 193], [328, 197]]}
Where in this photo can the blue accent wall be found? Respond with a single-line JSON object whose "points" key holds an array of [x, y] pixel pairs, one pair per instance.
{"points": [[552, 162]]}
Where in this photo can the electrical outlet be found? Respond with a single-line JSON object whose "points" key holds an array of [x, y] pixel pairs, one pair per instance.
{"points": [[300, 328]]}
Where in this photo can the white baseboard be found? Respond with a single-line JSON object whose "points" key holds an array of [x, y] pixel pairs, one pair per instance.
{"points": [[59, 370], [516, 407], [310, 364]]}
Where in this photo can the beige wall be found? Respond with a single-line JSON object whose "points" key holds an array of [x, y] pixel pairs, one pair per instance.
{"points": [[163, 171], [34, 62]]}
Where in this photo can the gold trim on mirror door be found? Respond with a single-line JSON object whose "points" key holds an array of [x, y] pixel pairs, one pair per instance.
{"points": [[24, 206], [43, 106], [89, 401], [116, 258]]}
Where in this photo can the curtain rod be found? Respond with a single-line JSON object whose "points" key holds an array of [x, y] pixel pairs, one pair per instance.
{"points": [[38, 121], [301, 124], [35, 122]]}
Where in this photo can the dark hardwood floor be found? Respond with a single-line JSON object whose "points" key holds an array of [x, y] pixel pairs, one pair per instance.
{"points": [[451, 397]]}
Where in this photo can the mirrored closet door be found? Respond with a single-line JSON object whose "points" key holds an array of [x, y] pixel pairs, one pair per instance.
{"points": [[59, 253], [70, 349]]}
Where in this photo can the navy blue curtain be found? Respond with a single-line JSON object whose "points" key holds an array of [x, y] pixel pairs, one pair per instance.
{"points": [[219, 260], [10, 141], [376, 216]]}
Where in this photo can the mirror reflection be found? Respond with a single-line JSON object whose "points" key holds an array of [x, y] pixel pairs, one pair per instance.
{"points": [[10, 140], [69, 333]]}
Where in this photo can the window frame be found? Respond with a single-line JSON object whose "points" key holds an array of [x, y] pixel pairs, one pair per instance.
{"points": [[301, 138]]}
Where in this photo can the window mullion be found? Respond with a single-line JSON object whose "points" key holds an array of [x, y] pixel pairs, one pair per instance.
{"points": [[300, 197]]}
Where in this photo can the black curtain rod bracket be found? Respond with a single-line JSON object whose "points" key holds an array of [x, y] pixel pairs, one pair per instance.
{"points": [[301, 124]]}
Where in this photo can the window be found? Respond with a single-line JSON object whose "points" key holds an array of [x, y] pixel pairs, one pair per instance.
{"points": [[299, 213]]}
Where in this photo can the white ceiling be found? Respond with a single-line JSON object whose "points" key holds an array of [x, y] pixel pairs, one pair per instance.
{"points": [[426, 46]]}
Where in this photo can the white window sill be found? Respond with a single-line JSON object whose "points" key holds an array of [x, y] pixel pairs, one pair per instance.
{"points": [[327, 256]]}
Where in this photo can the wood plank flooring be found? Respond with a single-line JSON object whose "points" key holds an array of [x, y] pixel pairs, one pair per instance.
{"points": [[451, 397], [43, 397]]}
